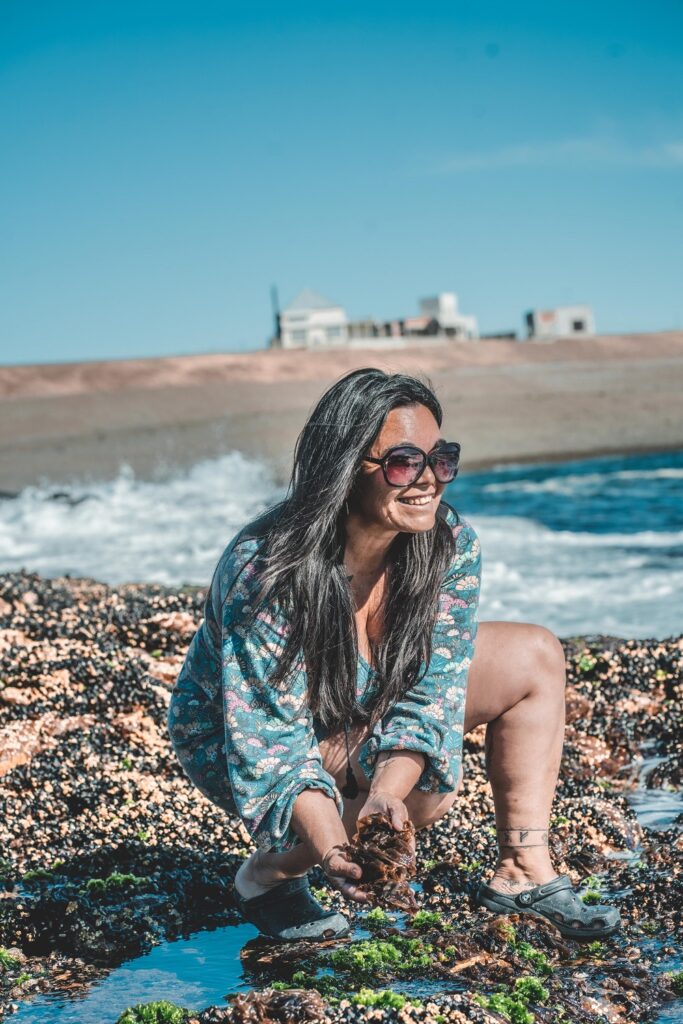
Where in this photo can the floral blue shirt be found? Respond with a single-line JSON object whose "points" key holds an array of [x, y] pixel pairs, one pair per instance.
{"points": [[252, 747]]}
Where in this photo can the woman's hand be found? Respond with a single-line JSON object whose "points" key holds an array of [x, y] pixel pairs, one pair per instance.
{"points": [[343, 874], [386, 803]]}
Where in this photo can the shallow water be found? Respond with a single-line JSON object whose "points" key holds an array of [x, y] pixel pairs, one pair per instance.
{"points": [[655, 808], [194, 972]]}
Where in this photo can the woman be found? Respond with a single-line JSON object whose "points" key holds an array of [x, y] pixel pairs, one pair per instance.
{"points": [[336, 671]]}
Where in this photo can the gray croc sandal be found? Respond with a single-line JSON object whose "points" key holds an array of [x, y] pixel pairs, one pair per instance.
{"points": [[558, 903], [288, 912]]}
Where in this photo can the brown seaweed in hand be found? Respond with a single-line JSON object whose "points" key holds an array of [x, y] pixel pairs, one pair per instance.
{"points": [[387, 859]]}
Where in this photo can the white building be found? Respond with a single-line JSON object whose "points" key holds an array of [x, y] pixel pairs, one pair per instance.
{"points": [[561, 322], [443, 310], [312, 321]]}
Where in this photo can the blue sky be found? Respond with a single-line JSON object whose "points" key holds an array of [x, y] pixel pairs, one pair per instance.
{"points": [[164, 164]]}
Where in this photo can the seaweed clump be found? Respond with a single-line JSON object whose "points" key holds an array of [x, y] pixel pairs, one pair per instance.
{"points": [[387, 859], [160, 1012]]}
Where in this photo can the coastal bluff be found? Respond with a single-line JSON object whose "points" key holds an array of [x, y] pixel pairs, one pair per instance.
{"points": [[107, 849]]}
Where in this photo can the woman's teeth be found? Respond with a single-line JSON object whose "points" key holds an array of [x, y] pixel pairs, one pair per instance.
{"points": [[416, 501]]}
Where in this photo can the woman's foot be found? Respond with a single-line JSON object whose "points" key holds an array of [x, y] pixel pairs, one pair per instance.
{"points": [[524, 869], [525, 881], [558, 903], [255, 878], [288, 912]]}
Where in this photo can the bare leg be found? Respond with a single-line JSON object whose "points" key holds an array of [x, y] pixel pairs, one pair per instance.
{"points": [[517, 685]]}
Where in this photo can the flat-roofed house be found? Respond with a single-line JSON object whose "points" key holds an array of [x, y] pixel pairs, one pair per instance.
{"points": [[560, 322], [442, 312], [312, 321]]}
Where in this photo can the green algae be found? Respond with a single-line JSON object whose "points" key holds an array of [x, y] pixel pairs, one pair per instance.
{"points": [[586, 663], [7, 960], [676, 980], [113, 882], [426, 919], [538, 960], [513, 1003], [37, 875], [334, 991], [592, 888], [507, 1006], [323, 896], [161, 1012], [364, 961], [325, 984], [377, 919], [384, 999], [531, 989]]}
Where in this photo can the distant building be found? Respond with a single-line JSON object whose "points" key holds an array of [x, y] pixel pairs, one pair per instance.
{"points": [[312, 321], [561, 322], [443, 310]]}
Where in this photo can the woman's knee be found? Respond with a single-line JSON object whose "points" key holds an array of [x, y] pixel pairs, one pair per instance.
{"points": [[513, 661], [549, 652], [426, 809]]}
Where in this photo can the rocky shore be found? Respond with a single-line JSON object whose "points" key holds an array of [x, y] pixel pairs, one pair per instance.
{"points": [[106, 849]]}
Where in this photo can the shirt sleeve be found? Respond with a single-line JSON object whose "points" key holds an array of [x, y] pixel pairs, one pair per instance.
{"points": [[429, 718], [271, 749]]}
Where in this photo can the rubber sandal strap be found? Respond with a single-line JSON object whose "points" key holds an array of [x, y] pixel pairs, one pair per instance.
{"points": [[528, 897], [558, 903]]}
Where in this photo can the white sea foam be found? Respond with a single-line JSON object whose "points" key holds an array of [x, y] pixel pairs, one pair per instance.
{"points": [[571, 485], [130, 530], [574, 583], [173, 531]]}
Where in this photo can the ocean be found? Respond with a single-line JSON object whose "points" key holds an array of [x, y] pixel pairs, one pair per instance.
{"points": [[582, 547]]}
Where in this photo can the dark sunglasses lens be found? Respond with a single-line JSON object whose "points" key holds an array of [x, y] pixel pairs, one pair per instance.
{"points": [[445, 465], [403, 466]]}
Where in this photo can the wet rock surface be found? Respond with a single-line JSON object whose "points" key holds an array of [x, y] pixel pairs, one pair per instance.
{"points": [[107, 849]]}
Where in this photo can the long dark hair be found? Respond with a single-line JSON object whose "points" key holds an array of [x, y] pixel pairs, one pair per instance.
{"points": [[302, 569]]}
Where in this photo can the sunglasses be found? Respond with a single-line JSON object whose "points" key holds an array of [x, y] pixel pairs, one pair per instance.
{"points": [[404, 464]]}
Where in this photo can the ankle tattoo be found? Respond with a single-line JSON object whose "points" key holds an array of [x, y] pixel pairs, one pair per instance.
{"points": [[522, 838]]}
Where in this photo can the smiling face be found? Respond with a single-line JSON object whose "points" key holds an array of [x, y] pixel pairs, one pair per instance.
{"points": [[400, 508]]}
